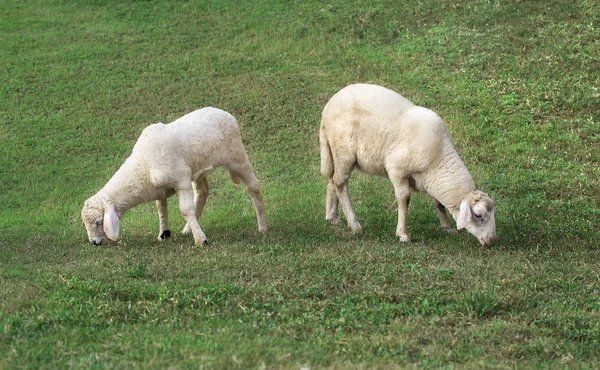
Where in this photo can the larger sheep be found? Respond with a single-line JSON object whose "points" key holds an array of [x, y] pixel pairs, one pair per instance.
{"points": [[378, 131], [174, 158]]}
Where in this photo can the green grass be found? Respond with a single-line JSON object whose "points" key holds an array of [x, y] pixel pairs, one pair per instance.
{"points": [[516, 81]]}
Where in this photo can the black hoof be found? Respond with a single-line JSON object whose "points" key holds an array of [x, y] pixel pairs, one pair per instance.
{"points": [[166, 234]]}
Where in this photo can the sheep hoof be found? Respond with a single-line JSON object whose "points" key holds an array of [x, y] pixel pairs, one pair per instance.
{"points": [[404, 238], [203, 243], [356, 229], [165, 235], [334, 220]]}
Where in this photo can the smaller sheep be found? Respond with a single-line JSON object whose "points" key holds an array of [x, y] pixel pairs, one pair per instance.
{"points": [[382, 133], [174, 158]]}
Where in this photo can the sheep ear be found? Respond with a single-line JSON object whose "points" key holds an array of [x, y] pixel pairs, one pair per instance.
{"points": [[111, 223], [464, 215]]}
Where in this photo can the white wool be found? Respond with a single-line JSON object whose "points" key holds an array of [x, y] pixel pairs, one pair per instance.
{"points": [[382, 133], [170, 158]]}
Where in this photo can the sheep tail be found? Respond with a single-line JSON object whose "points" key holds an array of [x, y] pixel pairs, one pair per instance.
{"points": [[326, 157]]}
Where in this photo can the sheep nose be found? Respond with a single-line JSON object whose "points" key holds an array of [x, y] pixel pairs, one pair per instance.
{"points": [[491, 240], [97, 242]]}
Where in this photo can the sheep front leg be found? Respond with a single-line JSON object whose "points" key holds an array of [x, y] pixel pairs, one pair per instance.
{"points": [[331, 208], [163, 218], [188, 211], [402, 191], [443, 216]]}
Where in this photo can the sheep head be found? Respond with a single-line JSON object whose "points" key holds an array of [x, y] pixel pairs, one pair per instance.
{"points": [[476, 214], [100, 219]]}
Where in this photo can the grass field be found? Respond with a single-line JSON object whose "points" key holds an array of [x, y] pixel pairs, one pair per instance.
{"points": [[518, 83]]}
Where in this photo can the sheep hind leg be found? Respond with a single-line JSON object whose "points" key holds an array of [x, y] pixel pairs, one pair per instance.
{"points": [[331, 210], [163, 218], [443, 216], [402, 191], [253, 188], [200, 195], [188, 211], [340, 181]]}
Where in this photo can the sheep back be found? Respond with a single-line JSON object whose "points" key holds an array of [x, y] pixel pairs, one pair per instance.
{"points": [[193, 144], [381, 130]]}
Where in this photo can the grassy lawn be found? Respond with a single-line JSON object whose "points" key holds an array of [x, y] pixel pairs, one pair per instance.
{"points": [[518, 83]]}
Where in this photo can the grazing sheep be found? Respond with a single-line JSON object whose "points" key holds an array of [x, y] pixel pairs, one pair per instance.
{"points": [[169, 159], [382, 133]]}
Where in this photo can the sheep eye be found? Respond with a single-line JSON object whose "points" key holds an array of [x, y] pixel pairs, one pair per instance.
{"points": [[99, 223], [478, 216]]}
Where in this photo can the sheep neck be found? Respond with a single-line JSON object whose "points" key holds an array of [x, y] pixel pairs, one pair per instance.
{"points": [[449, 182], [125, 188]]}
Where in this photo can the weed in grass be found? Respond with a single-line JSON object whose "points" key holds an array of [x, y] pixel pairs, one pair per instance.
{"points": [[482, 303], [137, 269], [446, 274]]}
